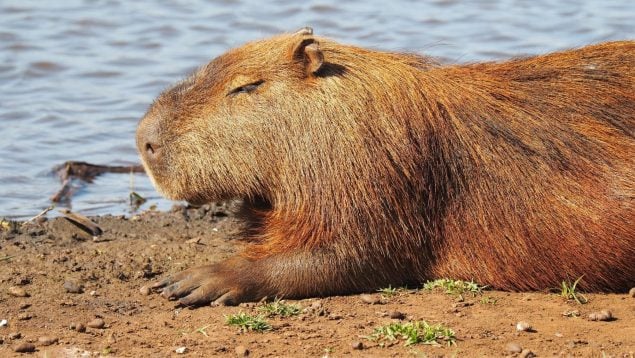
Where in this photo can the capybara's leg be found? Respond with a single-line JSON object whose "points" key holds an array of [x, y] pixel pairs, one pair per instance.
{"points": [[291, 275]]}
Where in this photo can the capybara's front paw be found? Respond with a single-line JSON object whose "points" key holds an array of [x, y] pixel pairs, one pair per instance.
{"points": [[203, 285]]}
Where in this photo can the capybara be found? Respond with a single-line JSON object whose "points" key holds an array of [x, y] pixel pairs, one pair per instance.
{"points": [[360, 169]]}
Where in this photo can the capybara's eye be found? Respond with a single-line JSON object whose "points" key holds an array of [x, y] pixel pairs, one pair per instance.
{"points": [[246, 88]]}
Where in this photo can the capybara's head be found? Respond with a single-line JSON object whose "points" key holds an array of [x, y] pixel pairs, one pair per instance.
{"points": [[268, 114]]}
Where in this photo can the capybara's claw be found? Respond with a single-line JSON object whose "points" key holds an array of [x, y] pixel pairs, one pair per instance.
{"points": [[203, 295], [179, 289], [157, 286], [200, 286]]}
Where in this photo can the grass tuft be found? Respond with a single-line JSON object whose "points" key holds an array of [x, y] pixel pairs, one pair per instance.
{"points": [[279, 308], [392, 291], [569, 291], [203, 330], [414, 333], [248, 322], [388, 291], [487, 300], [454, 287]]}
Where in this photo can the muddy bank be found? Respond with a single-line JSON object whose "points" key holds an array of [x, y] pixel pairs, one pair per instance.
{"points": [[65, 293]]}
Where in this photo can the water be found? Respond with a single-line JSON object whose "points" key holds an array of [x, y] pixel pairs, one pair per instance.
{"points": [[76, 76]]}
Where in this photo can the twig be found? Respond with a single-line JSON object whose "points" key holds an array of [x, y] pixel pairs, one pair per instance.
{"points": [[82, 222], [43, 212], [85, 172]]}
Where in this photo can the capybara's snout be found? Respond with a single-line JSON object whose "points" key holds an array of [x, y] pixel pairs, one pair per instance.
{"points": [[148, 141]]}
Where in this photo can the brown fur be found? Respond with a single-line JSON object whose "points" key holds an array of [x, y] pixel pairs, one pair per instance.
{"points": [[361, 168]]}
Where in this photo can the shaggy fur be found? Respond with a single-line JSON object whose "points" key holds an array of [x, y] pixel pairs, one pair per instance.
{"points": [[361, 168]]}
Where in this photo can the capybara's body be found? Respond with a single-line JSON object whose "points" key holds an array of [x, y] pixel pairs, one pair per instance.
{"points": [[361, 169]]}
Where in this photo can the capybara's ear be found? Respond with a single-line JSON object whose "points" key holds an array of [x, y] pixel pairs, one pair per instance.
{"points": [[304, 31], [308, 53]]}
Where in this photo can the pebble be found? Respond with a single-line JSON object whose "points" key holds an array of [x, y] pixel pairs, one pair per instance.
{"points": [[603, 315], [144, 290], [4, 323], [513, 347], [241, 351], [181, 350], [631, 292], [47, 341], [79, 327], [526, 353], [370, 299], [17, 292], [315, 308], [24, 348], [24, 316], [73, 287], [357, 345], [574, 313], [396, 315], [24, 306], [523, 326], [96, 323], [195, 240], [14, 335]]}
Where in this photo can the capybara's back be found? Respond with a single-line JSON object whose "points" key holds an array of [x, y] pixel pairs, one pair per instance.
{"points": [[360, 169]]}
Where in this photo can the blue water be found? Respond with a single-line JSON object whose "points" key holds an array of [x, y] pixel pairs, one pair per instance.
{"points": [[75, 77]]}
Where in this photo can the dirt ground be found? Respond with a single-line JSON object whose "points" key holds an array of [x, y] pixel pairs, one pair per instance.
{"points": [[45, 259]]}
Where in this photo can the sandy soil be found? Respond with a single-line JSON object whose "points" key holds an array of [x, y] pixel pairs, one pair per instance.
{"points": [[46, 258]]}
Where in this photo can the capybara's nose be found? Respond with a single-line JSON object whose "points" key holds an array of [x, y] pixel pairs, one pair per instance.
{"points": [[148, 142]]}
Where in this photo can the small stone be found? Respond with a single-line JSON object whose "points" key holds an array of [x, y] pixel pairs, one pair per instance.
{"points": [[24, 348], [526, 353], [573, 313], [144, 290], [396, 315], [73, 287], [24, 316], [370, 299], [631, 292], [17, 292], [4, 323], [47, 341], [523, 326], [14, 335], [241, 351], [559, 335], [79, 327], [195, 240], [25, 305], [603, 315], [357, 345], [513, 347], [181, 350], [22, 280], [96, 323]]}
